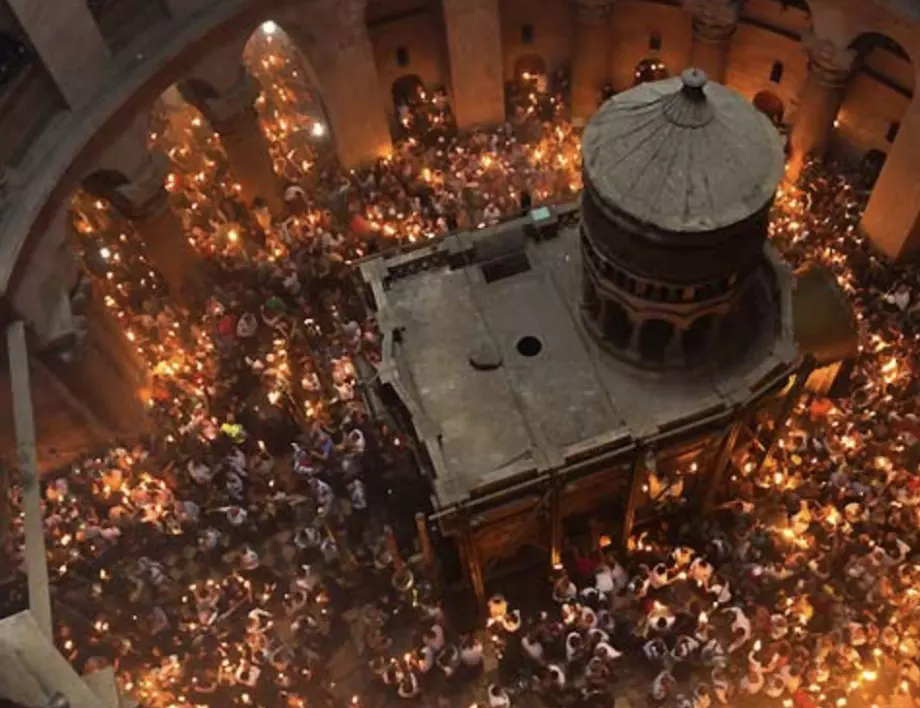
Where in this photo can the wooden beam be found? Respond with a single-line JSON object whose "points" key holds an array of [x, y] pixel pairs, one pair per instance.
{"points": [[789, 403], [555, 533], [470, 553], [424, 542], [720, 464], [635, 490]]}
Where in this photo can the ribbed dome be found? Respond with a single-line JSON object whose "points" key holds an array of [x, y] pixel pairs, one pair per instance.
{"points": [[682, 155]]}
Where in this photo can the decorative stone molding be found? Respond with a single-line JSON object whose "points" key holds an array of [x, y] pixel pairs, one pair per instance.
{"points": [[592, 11], [222, 112], [713, 20], [10, 183], [145, 195], [830, 64]]}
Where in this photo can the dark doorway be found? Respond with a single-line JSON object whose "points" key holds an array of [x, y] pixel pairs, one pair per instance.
{"points": [[654, 339], [872, 164], [771, 106], [529, 66], [650, 70]]}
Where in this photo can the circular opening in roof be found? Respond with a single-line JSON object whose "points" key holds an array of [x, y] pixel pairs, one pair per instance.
{"points": [[529, 346]]}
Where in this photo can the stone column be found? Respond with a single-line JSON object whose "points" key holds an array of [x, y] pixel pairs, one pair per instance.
{"points": [[476, 63], [234, 117], [146, 201], [42, 297], [590, 56], [69, 44], [343, 58], [829, 71], [714, 24], [892, 217], [106, 373]]}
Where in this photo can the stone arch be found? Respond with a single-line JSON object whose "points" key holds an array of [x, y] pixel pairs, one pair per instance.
{"points": [[406, 90], [617, 325], [650, 69], [771, 106], [106, 184], [655, 336], [695, 339], [590, 300], [335, 43], [267, 43], [870, 44], [197, 91], [872, 164], [531, 64]]}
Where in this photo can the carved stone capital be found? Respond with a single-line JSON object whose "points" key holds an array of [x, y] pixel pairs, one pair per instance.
{"points": [[592, 11], [828, 63], [145, 195], [713, 20], [225, 110]]}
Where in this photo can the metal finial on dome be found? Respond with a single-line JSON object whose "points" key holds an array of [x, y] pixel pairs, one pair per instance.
{"points": [[693, 81]]}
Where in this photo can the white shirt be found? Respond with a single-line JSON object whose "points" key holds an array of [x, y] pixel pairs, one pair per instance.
{"points": [[533, 648]]}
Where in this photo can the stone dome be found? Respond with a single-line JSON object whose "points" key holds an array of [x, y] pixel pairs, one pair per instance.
{"points": [[684, 156], [679, 179]]}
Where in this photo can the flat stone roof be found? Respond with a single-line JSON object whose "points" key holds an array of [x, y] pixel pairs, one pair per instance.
{"points": [[490, 428]]}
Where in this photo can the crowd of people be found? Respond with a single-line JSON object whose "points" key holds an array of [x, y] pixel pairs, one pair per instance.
{"points": [[267, 523]]}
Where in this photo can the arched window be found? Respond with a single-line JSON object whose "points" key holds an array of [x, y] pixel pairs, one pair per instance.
{"points": [[776, 72], [617, 326], [654, 338]]}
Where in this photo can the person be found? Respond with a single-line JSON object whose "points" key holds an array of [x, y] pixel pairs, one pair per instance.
{"points": [[526, 201]]}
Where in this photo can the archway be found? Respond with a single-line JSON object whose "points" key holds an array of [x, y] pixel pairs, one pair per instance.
{"points": [[872, 164], [650, 69], [654, 338], [291, 109], [771, 106], [618, 327], [695, 340], [529, 67]]}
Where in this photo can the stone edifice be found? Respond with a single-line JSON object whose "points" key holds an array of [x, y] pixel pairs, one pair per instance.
{"points": [[76, 113], [547, 375]]}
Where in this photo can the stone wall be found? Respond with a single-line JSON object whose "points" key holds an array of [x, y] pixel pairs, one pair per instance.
{"points": [[420, 32], [551, 24], [633, 25]]}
